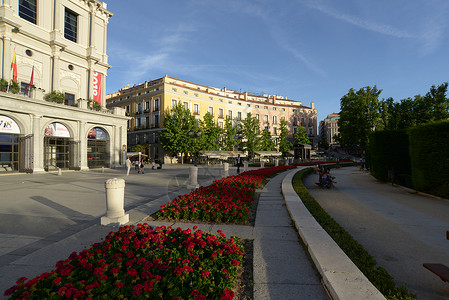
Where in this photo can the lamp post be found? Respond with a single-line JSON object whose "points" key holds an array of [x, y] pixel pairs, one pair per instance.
{"points": [[195, 135]]}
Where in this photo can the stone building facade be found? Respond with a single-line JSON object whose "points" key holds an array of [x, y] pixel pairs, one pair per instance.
{"points": [[58, 46], [147, 104]]}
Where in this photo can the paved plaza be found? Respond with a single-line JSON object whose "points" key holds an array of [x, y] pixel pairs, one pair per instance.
{"points": [[45, 217]]}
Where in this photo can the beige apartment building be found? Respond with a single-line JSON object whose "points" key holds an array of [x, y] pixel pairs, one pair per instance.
{"points": [[329, 129], [59, 46], [147, 104]]}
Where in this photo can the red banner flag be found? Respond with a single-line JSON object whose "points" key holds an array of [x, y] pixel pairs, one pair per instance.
{"points": [[32, 77], [96, 86], [14, 67]]}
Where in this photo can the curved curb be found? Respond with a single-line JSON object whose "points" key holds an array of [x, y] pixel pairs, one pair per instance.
{"points": [[341, 277]]}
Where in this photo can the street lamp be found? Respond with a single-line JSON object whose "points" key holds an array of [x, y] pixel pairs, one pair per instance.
{"points": [[195, 135]]}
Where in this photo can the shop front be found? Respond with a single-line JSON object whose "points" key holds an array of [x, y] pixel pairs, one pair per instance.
{"points": [[9, 144], [57, 147], [98, 148]]}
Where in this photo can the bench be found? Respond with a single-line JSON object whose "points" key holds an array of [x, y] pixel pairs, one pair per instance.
{"points": [[440, 270]]}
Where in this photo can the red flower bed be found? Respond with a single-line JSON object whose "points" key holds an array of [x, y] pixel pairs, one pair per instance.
{"points": [[226, 200], [161, 263]]}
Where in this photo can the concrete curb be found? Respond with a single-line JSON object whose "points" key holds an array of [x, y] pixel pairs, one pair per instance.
{"points": [[341, 277]]}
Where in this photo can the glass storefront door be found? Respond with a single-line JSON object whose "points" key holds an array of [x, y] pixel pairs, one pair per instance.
{"points": [[97, 148], [56, 153], [9, 152]]}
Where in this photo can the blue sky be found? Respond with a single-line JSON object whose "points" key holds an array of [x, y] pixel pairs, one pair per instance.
{"points": [[307, 50]]}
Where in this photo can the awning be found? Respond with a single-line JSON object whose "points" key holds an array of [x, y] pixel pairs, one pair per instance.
{"points": [[268, 153], [222, 154]]}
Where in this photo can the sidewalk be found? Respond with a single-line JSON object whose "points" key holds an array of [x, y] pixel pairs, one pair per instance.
{"points": [[281, 267]]}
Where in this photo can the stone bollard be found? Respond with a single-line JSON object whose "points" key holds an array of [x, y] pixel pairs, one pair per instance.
{"points": [[286, 161], [225, 169], [59, 172], [276, 162], [245, 163], [115, 201], [262, 164], [193, 178]]}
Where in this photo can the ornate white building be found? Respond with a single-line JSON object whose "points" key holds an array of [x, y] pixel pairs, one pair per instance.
{"points": [[57, 45]]}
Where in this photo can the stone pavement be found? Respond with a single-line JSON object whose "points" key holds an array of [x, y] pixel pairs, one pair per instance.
{"points": [[45, 217]]}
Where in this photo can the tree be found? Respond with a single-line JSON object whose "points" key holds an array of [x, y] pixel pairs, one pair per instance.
{"points": [[228, 138], [250, 131], [322, 144], [210, 133], [139, 148], [266, 142], [284, 144], [359, 115], [301, 137], [175, 137]]}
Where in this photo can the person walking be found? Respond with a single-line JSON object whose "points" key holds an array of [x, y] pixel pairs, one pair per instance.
{"points": [[142, 167], [239, 163], [153, 164], [137, 166], [128, 166]]}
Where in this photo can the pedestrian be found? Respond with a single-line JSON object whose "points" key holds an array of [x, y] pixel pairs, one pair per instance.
{"points": [[142, 167], [239, 163], [136, 165], [153, 164], [128, 166]]}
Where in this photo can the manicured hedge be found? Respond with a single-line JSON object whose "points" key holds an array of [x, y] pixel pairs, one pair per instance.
{"points": [[429, 153], [388, 156], [378, 276]]}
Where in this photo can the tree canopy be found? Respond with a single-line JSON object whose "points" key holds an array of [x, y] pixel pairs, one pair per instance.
{"points": [[359, 115], [266, 142], [175, 137], [301, 137], [284, 144], [250, 127]]}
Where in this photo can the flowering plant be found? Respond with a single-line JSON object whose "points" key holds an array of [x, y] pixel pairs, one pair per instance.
{"points": [[226, 200], [162, 263]]}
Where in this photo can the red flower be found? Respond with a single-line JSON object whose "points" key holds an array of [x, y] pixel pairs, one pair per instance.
{"points": [[119, 285], [205, 273], [235, 262], [57, 280], [227, 295]]}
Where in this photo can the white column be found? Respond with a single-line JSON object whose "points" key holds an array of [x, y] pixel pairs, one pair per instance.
{"points": [[225, 169], [115, 202], [38, 144], [82, 137], [245, 163], [193, 178]]}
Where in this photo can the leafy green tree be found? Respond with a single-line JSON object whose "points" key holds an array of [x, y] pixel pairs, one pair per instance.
{"points": [[139, 148], [266, 142], [250, 131], [322, 144], [301, 137], [284, 143], [228, 138], [359, 115], [175, 137], [3, 85], [210, 133], [14, 87]]}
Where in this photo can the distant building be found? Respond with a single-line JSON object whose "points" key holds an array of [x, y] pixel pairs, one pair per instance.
{"points": [[56, 46], [147, 104], [329, 129]]}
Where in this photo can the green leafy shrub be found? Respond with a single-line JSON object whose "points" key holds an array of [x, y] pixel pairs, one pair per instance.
{"points": [[55, 96]]}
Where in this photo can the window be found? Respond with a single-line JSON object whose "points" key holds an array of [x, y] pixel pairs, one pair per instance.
{"points": [[139, 122], [275, 131], [275, 119], [249, 105], [156, 105], [265, 107], [69, 99], [139, 108], [70, 25], [265, 119], [195, 109], [239, 116], [25, 89], [274, 108], [220, 124], [186, 105], [147, 122], [156, 121], [147, 105], [173, 103], [257, 116], [27, 10], [220, 112], [230, 113], [211, 110], [186, 92], [174, 90], [257, 106]]}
